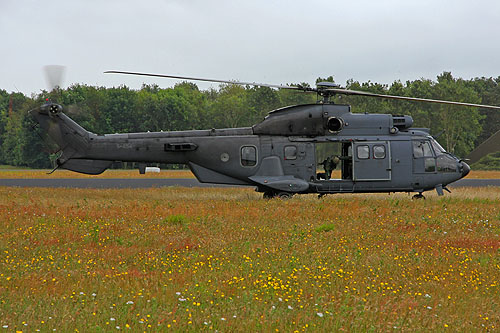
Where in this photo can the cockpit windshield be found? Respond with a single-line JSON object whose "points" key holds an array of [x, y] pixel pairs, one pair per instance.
{"points": [[437, 147]]}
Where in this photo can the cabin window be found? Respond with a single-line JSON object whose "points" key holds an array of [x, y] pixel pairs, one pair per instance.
{"points": [[248, 156], [421, 149], [290, 152], [363, 152], [378, 152]]}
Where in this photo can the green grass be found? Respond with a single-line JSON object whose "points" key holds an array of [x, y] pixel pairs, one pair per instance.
{"points": [[326, 227]]}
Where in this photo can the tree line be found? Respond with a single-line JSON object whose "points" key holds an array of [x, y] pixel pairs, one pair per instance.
{"points": [[183, 107]]}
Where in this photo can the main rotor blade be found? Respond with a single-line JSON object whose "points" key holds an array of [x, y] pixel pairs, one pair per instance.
{"points": [[214, 80], [368, 94]]}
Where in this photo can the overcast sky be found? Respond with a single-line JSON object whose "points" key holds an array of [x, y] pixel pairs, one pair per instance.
{"points": [[267, 41]]}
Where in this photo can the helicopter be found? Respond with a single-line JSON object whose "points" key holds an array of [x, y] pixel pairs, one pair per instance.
{"points": [[282, 154]]}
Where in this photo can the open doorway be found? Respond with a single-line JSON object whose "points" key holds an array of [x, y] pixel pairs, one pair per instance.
{"points": [[333, 160]]}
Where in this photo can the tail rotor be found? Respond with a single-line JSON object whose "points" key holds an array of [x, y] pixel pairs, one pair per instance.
{"points": [[54, 76]]}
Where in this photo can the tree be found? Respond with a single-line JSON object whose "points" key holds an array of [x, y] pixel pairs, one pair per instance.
{"points": [[262, 100], [489, 91], [461, 125], [230, 108], [22, 144], [120, 109]]}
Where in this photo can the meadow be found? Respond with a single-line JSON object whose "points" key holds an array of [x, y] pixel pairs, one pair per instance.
{"points": [[224, 259]]}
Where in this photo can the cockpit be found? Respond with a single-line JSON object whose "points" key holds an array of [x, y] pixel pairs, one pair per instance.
{"points": [[436, 159]]}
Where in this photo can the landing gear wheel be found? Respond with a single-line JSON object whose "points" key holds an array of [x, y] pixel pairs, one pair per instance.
{"points": [[269, 195], [418, 196], [284, 195]]}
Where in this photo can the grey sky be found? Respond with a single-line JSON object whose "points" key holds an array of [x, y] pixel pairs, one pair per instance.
{"points": [[260, 40]]}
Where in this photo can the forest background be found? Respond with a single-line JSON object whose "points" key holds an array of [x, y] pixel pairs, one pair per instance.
{"points": [[121, 109]]}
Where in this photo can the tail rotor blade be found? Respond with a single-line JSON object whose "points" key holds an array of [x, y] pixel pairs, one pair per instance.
{"points": [[54, 75]]}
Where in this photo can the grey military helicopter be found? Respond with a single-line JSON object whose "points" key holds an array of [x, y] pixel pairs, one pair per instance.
{"points": [[281, 155]]}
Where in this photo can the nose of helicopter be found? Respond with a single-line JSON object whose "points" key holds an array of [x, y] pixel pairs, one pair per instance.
{"points": [[465, 169]]}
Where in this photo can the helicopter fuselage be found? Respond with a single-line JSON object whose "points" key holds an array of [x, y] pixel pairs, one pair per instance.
{"points": [[280, 155]]}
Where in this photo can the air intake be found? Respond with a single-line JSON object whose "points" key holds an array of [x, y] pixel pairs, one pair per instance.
{"points": [[402, 122]]}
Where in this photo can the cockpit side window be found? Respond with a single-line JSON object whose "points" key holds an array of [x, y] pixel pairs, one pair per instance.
{"points": [[422, 149]]}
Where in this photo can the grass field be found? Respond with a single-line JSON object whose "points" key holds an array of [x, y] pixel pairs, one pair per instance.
{"points": [[227, 260], [20, 173]]}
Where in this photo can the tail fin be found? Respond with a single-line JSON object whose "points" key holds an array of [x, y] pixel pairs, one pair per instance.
{"points": [[72, 139]]}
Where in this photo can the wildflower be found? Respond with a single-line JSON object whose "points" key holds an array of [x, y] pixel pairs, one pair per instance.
{"points": [[290, 308], [130, 302], [320, 314]]}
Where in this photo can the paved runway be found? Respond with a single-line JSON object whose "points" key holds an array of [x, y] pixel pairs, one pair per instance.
{"points": [[148, 182]]}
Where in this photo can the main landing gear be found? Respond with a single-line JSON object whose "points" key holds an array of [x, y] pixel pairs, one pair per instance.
{"points": [[280, 195], [418, 196]]}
